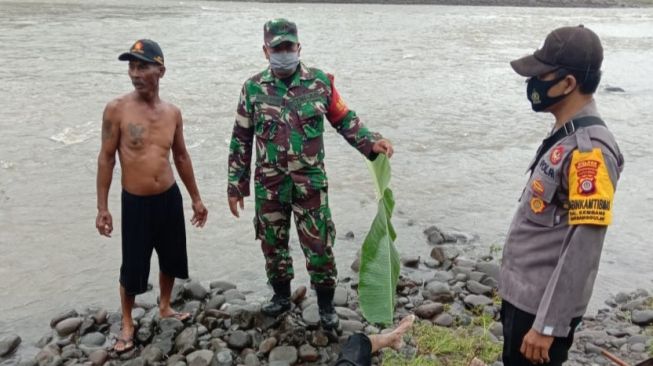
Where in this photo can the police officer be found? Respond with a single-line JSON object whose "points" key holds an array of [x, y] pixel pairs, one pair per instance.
{"points": [[284, 107], [552, 251]]}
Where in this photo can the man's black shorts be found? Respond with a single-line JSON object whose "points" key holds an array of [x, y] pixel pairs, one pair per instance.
{"points": [[152, 222]]}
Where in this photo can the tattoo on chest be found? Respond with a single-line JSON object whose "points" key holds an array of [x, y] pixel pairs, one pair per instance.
{"points": [[135, 133]]}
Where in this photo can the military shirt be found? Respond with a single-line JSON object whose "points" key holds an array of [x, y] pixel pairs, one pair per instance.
{"points": [[288, 122], [553, 247]]}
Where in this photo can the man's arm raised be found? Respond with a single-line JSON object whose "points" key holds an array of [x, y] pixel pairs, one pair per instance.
{"points": [[106, 162], [185, 168]]}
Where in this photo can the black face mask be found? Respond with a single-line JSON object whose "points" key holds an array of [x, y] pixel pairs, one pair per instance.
{"points": [[537, 93]]}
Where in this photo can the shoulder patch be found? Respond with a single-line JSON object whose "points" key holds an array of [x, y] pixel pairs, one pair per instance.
{"points": [[591, 192], [557, 154]]}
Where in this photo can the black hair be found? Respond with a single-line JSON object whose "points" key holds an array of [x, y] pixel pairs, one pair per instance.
{"points": [[587, 80]]}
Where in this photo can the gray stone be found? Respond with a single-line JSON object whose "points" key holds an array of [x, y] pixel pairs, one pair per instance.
{"points": [[176, 360], [638, 304], [347, 313], [138, 313], [8, 344], [444, 320], [233, 294], [151, 354], [239, 340], [186, 340], [63, 316], [71, 352], [352, 326], [356, 264], [177, 295], [222, 286], [478, 289], [267, 345], [640, 338], [195, 290], [490, 269], [308, 353], [44, 341], [93, 339], [284, 354], [638, 347], [251, 360], [244, 315], [464, 262], [621, 298], [411, 261], [437, 254], [224, 358], [138, 361], [431, 263], [642, 317], [145, 332], [98, 357], [438, 292], [216, 302], [491, 282], [68, 326], [341, 296], [477, 300], [496, 329], [164, 341], [311, 316], [202, 357], [171, 324], [442, 276], [428, 311], [192, 307], [461, 277]]}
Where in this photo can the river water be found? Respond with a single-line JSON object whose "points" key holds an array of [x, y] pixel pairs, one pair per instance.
{"points": [[433, 79]]}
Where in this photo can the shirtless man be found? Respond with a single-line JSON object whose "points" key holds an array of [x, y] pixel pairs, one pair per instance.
{"points": [[144, 129]]}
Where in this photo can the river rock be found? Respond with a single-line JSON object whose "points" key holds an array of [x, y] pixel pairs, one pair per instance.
{"points": [[224, 358], [216, 302], [442, 276], [437, 254], [319, 339], [267, 345], [222, 286], [347, 313], [637, 347], [239, 340], [202, 357], [171, 324], [233, 294], [195, 290], [68, 326], [352, 326], [356, 264], [477, 300], [251, 360], [308, 353], [642, 317], [478, 289], [410, 261], [299, 294], [428, 311], [95, 339], [8, 344], [341, 296], [151, 354], [614, 89], [490, 269], [444, 320], [68, 314], [137, 314], [284, 354], [438, 292], [311, 316], [145, 332], [98, 357], [186, 340], [165, 341]]}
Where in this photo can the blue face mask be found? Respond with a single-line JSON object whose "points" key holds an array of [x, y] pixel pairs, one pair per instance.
{"points": [[284, 62]]}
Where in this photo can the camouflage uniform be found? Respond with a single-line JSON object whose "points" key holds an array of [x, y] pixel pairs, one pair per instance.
{"points": [[288, 121]]}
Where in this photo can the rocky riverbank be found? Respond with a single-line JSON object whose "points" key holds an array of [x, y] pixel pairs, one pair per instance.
{"points": [[446, 289], [517, 3]]}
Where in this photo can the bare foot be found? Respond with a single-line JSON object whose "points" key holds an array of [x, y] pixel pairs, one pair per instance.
{"points": [[126, 340], [398, 334], [477, 362], [170, 313]]}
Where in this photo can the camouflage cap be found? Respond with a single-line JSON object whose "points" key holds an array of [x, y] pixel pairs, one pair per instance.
{"points": [[277, 31]]}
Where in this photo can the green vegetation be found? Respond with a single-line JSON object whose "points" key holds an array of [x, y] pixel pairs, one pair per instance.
{"points": [[449, 347]]}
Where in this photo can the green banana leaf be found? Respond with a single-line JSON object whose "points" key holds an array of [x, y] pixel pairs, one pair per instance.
{"points": [[379, 266]]}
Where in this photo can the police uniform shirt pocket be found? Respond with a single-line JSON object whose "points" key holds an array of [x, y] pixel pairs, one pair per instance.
{"points": [[538, 201]]}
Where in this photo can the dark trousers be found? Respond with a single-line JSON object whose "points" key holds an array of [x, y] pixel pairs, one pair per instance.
{"points": [[357, 351], [516, 323]]}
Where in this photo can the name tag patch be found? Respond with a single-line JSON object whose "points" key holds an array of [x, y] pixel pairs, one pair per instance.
{"points": [[591, 192]]}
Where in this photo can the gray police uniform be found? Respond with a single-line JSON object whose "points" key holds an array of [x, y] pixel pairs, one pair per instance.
{"points": [[550, 261]]}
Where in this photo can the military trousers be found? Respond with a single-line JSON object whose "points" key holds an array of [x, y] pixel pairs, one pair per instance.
{"points": [[315, 230]]}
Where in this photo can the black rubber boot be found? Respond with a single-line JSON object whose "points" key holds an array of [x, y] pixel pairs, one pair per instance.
{"points": [[328, 316], [280, 302]]}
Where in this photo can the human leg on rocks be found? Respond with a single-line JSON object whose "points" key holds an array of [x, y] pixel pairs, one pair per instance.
{"points": [[126, 340], [165, 310], [272, 222], [359, 348]]}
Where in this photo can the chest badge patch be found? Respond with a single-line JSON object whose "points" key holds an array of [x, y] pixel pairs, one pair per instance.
{"points": [[537, 187], [537, 205], [556, 155]]}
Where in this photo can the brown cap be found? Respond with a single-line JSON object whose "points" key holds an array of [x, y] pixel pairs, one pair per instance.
{"points": [[572, 48]]}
